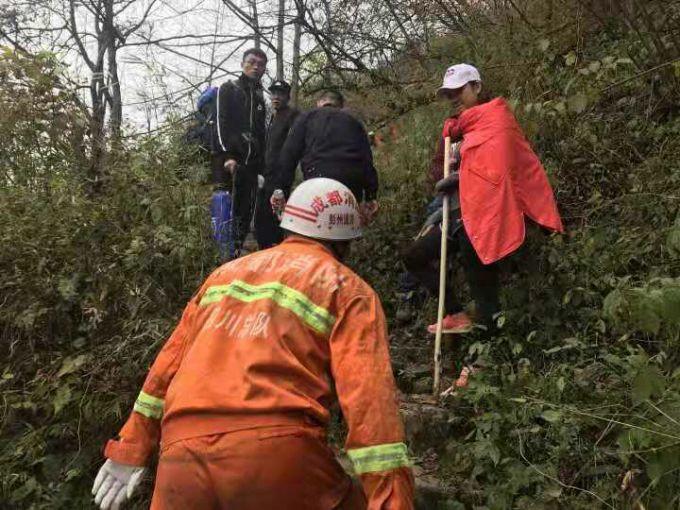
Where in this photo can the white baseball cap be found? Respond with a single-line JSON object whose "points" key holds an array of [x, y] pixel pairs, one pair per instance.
{"points": [[458, 75]]}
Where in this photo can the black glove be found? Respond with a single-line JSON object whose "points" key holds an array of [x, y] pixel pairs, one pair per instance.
{"points": [[447, 185]]}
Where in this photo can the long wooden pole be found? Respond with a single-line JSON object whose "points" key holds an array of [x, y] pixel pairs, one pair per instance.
{"points": [[442, 276]]}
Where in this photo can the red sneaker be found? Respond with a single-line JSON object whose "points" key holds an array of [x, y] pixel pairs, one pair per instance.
{"points": [[461, 381], [457, 323], [463, 378]]}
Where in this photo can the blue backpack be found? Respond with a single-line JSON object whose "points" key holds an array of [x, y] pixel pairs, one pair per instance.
{"points": [[202, 133]]}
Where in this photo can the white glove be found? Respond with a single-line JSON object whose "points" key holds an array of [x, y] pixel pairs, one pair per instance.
{"points": [[115, 483]]}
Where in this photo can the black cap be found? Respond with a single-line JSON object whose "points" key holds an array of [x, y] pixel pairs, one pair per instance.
{"points": [[279, 85]]}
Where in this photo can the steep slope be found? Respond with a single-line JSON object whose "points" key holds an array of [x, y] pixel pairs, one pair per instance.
{"points": [[578, 404]]}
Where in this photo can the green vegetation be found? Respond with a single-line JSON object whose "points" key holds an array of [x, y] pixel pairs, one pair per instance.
{"points": [[579, 406], [91, 285], [582, 389]]}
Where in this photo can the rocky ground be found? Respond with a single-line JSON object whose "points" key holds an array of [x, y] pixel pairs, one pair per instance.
{"points": [[429, 422]]}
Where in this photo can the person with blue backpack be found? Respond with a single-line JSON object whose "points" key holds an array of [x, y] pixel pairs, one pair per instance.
{"points": [[238, 142], [200, 132]]}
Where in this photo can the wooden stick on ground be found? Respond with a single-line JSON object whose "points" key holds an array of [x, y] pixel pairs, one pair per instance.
{"points": [[442, 276]]}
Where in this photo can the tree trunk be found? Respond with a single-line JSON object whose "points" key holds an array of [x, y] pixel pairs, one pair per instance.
{"points": [[97, 119], [279, 42], [327, 79], [295, 80], [112, 81], [116, 119], [97, 134], [256, 24]]}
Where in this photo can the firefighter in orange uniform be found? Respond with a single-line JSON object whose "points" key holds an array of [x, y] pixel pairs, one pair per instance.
{"points": [[239, 395]]}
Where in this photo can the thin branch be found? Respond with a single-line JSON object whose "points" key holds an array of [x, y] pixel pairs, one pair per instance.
{"points": [[15, 43], [73, 30], [522, 15], [639, 75], [248, 20], [136, 26], [189, 57], [556, 480], [223, 38]]}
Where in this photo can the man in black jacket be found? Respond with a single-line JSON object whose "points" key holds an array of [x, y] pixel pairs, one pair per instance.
{"points": [[267, 230], [241, 119], [329, 142]]}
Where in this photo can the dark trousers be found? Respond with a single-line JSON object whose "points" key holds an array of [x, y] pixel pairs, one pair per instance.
{"points": [[219, 177], [483, 280], [243, 187], [267, 230], [407, 282]]}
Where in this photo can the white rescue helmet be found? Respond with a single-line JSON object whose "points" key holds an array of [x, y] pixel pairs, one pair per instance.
{"points": [[322, 208]]}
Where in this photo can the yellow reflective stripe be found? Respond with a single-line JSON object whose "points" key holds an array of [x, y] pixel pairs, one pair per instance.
{"points": [[149, 406], [382, 457], [314, 316]]}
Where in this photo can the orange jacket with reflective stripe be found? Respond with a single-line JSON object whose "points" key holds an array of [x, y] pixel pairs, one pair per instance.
{"points": [[272, 339]]}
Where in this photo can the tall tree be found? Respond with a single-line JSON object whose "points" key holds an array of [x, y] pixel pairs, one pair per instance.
{"points": [[295, 78], [257, 36], [92, 34], [279, 39]]}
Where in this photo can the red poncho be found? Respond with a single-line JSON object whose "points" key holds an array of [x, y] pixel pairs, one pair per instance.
{"points": [[501, 180]]}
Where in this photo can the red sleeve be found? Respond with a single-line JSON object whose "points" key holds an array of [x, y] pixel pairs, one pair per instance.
{"points": [[453, 129]]}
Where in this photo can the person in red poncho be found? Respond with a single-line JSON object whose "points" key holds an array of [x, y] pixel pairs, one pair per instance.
{"points": [[498, 183]]}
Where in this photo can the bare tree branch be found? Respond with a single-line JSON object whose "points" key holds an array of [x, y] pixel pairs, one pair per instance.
{"points": [[142, 20], [73, 30], [250, 22]]}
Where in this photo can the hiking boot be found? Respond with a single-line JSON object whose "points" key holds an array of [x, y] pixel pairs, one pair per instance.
{"points": [[455, 323]]}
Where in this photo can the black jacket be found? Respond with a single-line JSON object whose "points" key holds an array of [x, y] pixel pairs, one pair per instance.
{"points": [[330, 143], [241, 114], [277, 133]]}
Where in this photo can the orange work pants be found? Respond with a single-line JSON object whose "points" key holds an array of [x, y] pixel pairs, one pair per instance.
{"points": [[277, 468]]}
